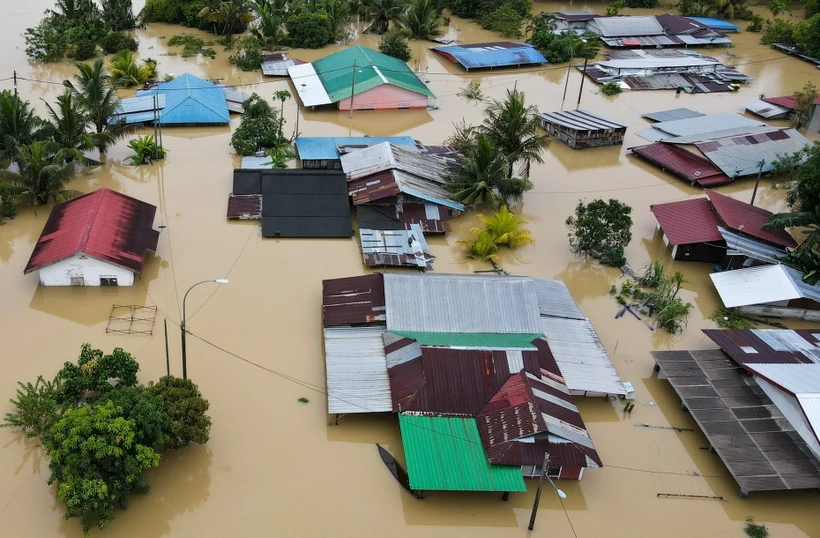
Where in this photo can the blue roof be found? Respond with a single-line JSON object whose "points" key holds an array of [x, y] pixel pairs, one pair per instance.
{"points": [[504, 54], [191, 100], [716, 24], [325, 147]]}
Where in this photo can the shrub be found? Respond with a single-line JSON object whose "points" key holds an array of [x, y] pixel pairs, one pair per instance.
{"points": [[259, 129], [187, 410], [504, 20], [756, 23], [778, 31], [755, 530], [85, 50], [8, 205], [117, 41], [394, 44], [611, 88], [145, 149], [36, 407], [191, 45], [309, 30], [643, 4], [249, 54]]}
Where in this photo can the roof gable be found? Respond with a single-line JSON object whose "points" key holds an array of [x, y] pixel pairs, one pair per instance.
{"points": [[688, 221], [748, 219], [190, 99]]}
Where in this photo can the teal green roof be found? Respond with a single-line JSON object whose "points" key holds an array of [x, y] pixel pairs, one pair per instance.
{"points": [[481, 340], [445, 453], [373, 69]]}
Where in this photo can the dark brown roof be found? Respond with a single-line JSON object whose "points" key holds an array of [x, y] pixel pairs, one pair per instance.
{"points": [[353, 301], [245, 206], [781, 346]]}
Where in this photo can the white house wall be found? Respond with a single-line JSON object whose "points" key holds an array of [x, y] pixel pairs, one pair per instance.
{"points": [[90, 269], [790, 407]]}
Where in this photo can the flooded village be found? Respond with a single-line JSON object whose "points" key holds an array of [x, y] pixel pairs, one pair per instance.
{"points": [[325, 351]]}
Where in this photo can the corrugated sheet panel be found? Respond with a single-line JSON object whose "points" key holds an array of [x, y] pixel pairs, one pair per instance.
{"points": [[783, 346], [385, 156], [705, 124], [627, 26], [741, 156], [722, 133], [581, 120], [357, 380], [321, 148], [704, 41], [755, 285], [191, 100], [472, 340], [682, 163], [658, 63], [131, 105], [797, 379], [554, 299], [445, 454], [308, 85], [739, 244], [353, 301], [252, 162], [716, 24], [278, 68], [243, 207], [673, 114], [747, 218], [766, 110], [485, 55], [235, 96], [462, 303], [688, 221], [584, 363], [402, 248]]}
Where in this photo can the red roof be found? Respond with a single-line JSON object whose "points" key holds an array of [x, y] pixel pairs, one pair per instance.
{"points": [[688, 221], [786, 101], [682, 163], [748, 219], [104, 224]]}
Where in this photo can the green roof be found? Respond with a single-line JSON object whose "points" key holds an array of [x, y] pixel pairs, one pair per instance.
{"points": [[373, 69], [445, 453], [481, 340]]}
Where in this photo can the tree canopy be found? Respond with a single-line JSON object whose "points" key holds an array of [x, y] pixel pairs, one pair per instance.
{"points": [[602, 230]]}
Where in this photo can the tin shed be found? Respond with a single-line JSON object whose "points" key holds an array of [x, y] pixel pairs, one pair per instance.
{"points": [[581, 129]]}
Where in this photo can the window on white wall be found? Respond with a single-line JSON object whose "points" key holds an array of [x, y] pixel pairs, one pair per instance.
{"points": [[108, 281], [77, 281]]}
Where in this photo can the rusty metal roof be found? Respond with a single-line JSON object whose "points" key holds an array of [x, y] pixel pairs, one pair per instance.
{"points": [[785, 101], [688, 221], [387, 156], [748, 219], [245, 206], [682, 163], [399, 248], [390, 183], [775, 346], [353, 301]]}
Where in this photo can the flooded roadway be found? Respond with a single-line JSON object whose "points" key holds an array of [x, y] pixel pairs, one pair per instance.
{"points": [[276, 467]]}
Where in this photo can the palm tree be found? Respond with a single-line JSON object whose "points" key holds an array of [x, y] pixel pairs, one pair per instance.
{"points": [[380, 13], [18, 124], [483, 247], [505, 228], [45, 168], [268, 28], [126, 72], [482, 178], [96, 94], [422, 19], [512, 127], [339, 12], [118, 15], [227, 14], [68, 125]]}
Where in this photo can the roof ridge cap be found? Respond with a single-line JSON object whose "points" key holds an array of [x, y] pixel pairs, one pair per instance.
{"points": [[84, 241]]}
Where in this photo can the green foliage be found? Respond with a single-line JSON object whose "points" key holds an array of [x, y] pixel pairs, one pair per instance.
{"points": [[380, 13], [191, 45], [36, 407], [249, 54], [560, 47], [505, 228], [18, 125], [85, 49], [512, 127], [729, 318], [506, 20], [778, 6], [279, 156], [642, 4], [483, 247], [44, 170], [117, 14], [652, 276], [756, 23], [615, 8], [126, 72], [807, 35], [755, 530], [8, 205], [91, 374], [259, 128], [339, 14], [694, 8], [393, 43], [422, 19], [778, 31], [145, 151], [152, 424], [303, 400], [472, 91], [187, 410], [463, 137], [117, 41], [602, 230], [803, 104], [270, 22], [611, 88], [308, 30]]}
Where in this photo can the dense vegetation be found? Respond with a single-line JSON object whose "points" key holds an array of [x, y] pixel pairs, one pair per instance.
{"points": [[146, 150], [101, 429], [805, 34], [502, 229], [724, 9], [75, 28], [505, 16], [602, 230], [261, 128], [661, 301], [394, 43], [560, 47]]}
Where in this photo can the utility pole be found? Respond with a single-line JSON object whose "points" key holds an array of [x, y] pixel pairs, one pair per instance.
{"points": [[540, 487], [582, 81], [757, 181], [569, 67], [353, 88], [156, 137], [15, 83], [167, 354]]}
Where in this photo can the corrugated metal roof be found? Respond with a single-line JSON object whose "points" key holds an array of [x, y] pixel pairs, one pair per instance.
{"points": [[191, 100], [461, 303], [581, 120], [642, 41], [353, 301], [761, 285], [657, 63], [105, 225], [578, 352], [673, 114], [675, 24], [739, 244], [688, 221], [766, 110], [245, 206], [705, 124], [785, 101], [357, 380], [485, 55], [386, 185], [682, 163], [748, 219], [308, 85], [402, 248], [627, 26], [251, 162], [278, 67], [717, 24], [326, 148], [796, 379], [554, 299], [706, 41], [715, 135], [234, 96], [145, 103], [445, 453], [385, 156], [480, 340], [741, 156], [783, 346]]}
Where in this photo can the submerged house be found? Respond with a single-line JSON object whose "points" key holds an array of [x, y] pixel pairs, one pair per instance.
{"points": [[490, 55], [380, 82], [581, 129], [99, 239], [276, 65], [777, 291], [493, 358], [326, 151], [754, 398], [702, 229]]}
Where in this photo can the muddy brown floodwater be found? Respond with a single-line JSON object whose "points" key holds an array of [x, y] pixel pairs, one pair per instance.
{"points": [[274, 466]]}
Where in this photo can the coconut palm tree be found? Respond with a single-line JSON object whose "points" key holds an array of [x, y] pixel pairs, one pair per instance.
{"points": [[126, 72], [68, 124], [512, 127], [482, 178], [18, 124], [422, 19], [227, 15], [380, 13], [45, 168], [117, 14], [268, 27], [339, 13], [96, 93], [483, 247], [505, 228]]}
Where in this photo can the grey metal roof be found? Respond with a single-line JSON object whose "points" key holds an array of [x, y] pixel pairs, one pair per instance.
{"points": [[555, 300], [723, 133], [673, 114], [705, 124], [424, 190], [762, 284], [706, 41], [626, 26], [446, 303], [252, 162], [395, 247], [131, 105], [233, 96], [357, 380], [793, 378], [766, 110], [277, 68], [581, 120], [582, 359], [743, 245], [386, 156], [312, 148], [741, 156], [655, 62]]}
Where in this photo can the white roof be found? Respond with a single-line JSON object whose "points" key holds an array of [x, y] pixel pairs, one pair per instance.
{"points": [[628, 26], [760, 285], [357, 380], [797, 379], [308, 85], [653, 62], [580, 356], [766, 110]]}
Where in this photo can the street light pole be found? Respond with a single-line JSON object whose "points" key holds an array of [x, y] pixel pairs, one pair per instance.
{"points": [[561, 494], [182, 323]]}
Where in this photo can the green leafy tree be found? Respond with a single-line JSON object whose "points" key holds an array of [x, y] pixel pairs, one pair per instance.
{"points": [[18, 125], [96, 373], [152, 424], [505, 20], [380, 14], [777, 7], [96, 462], [259, 128], [227, 16], [505, 227], [614, 9], [114, 42], [422, 19], [117, 14], [756, 23], [44, 170], [804, 101], [309, 30], [807, 35], [36, 407], [187, 410], [602, 230], [694, 8], [279, 156], [249, 54], [778, 31], [512, 127], [463, 137], [393, 43], [482, 177], [269, 27], [611, 88], [339, 14], [8, 205]]}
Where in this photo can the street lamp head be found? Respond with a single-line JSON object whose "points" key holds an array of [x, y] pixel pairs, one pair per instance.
{"points": [[221, 280], [561, 493]]}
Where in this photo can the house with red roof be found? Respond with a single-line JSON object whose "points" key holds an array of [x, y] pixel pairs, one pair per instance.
{"points": [[99, 239], [720, 229]]}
